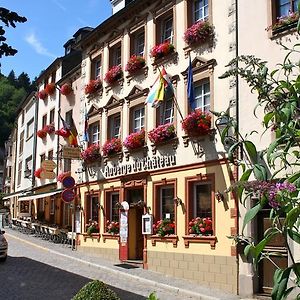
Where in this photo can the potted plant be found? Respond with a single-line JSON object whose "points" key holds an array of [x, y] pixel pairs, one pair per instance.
{"points": [[92, 227], [112, 227], [41, 133], [91, 154], [113, 74], [134, 64], [42, 94], [162, 133], [93, 86], [49, 128], [197, 123], [112, 146], [164, 227], [199, 32], [50, 88], [284, 21], [62, 175], [135, 140], [200, 226], [162, 50], [38, 172], [66, 89]]}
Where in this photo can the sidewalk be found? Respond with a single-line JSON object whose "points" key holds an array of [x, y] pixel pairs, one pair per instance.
{"points": [[180, 287]]}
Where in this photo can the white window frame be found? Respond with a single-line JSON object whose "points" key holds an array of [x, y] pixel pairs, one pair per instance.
{"points": [[117, 56], [202, 12], [139, 43], [138, 119], [200, 98], [167, 111], [30, 129], [97, 68], [94, 131], [165, 36], [115, 131]]}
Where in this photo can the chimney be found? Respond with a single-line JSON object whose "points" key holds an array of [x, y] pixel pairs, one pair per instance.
{"points": [[119, 4]]}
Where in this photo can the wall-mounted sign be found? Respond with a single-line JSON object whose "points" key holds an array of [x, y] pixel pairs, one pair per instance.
{"points": [[123, 227], [48, 175], [68, 182], [140, 165], [48, 165], [68, 195], [71, 152], [147, 224]]}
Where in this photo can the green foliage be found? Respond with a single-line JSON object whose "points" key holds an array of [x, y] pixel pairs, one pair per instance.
{"points": [[275, 169], [152, 296], [96, 290]]}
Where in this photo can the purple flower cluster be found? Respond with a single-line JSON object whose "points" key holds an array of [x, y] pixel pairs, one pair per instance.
{"points": [[162, 133], [111, 147], [91, 154], [113, 74], [199, 32]]}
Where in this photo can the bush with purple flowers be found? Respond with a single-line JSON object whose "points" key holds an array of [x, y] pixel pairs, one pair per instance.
{"points": [[162, 133]]}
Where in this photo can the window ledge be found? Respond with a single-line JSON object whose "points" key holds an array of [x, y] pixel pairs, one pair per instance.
{"points": [[199, 138], [165, 239], [92, 96], [118, 155], [143, 149], [173, 141], [109, 236], [207, 44], [283, 30], [172, 58], [110, 86], [142, 71], [91, 236], [200, 239]]}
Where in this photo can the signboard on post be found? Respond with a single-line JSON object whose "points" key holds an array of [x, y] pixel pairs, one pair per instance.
{"points": [[71, 152], [48, 165], [68, 182], [68, 195], [48, 175]]}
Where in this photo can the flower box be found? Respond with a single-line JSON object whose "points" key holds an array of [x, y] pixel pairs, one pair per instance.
{"points": [[199, 32], [112, 227], [135, 140], [62, 176], [200, 226], [50, 129], [162, 50], [92, 227], [113, 74], [112, 146], [164, 227], [42, 94], [66, 89], [135, 64], [41, 133], [284, 22], [91, 154], [50, 88], [38, 172], [197, 123], [162, 133], [93, 86]]}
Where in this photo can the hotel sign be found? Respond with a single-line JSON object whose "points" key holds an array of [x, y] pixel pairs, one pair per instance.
{"points": [[71, 152], [140, 165]]}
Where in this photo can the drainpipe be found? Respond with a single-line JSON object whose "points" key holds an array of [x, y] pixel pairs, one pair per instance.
{"points": [[34, 141]]}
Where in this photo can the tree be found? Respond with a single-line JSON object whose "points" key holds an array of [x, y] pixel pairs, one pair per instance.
{"points": [[9, 18], [24, 82]]}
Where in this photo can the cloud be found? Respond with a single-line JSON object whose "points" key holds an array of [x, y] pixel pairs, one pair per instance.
{"points": [[32, 40], [59, 5]]}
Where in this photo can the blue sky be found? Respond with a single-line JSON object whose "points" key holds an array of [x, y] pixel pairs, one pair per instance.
{"points": [[49, 25]]}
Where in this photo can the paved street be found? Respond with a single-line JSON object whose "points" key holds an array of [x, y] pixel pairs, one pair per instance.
{"points": [[38, 269]]}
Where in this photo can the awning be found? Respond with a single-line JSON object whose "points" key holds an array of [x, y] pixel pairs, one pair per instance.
{"points": [[14, 195], [39, 195]]}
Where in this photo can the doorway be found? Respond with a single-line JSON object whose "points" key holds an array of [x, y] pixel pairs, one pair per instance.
{"points": [[135, 237]]}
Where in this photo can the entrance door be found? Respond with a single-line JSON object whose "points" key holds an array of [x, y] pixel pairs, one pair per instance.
{"points": [[135, 236], [276, 246]]}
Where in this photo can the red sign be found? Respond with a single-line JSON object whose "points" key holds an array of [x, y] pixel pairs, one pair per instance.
{"points": [[68, 182], [68, 195]]}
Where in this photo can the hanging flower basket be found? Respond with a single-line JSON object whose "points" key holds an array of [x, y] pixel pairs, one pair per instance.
{"points": [[37, 172], [135, 140], [164, 227], [197, 123], [66, 89], [50, 129], [162, 50], [200, 226], [50, 88], [134, 64], [162, 133], [41, 133], [62, 175], [91, 154], [112, 147], [112, 227], [42, 94], [198, 33], [113, 74], [93, 86], [63, 132]]}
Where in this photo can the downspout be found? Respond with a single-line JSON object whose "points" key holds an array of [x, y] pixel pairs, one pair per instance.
{"points": [[16, 207], [34, 141]]}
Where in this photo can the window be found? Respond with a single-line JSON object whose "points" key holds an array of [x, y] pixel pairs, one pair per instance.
{"points": [[21, 146], [19, 172], [29, 129], [115, 55], [202, 96], [201, 200], [28, 163], [50, 155], [23, 117], [96, 68], [285, 7], [138, 118], [43, 157], [166, 197], [92, 208], [53, 77], [167, 30], [52, 114], [114, 126], [200, 10], [114, 211], [138, 43], [69, 117], [94, 133], [44, 121], [166, 112]]}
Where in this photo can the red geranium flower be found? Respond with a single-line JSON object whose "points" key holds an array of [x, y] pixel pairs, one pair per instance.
{"points": [[37, 172], [135, 140], [113, 74], [162, 133], [111, 147], [42, 94], [93, 86], [135, 63], [162, 50], [66, 89], [50, 88], [41, 133], [197, 123], [199, 32]]}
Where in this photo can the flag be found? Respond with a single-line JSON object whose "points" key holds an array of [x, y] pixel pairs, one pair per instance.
{"points": [[73, 134], [190, 85], [86, 137], [161, 89]]}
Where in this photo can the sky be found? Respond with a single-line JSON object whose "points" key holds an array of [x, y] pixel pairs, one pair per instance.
{"points": [[50, 24]]}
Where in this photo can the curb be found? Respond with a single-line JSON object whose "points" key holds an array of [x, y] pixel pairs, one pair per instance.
{"points": [[179, 291]]}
